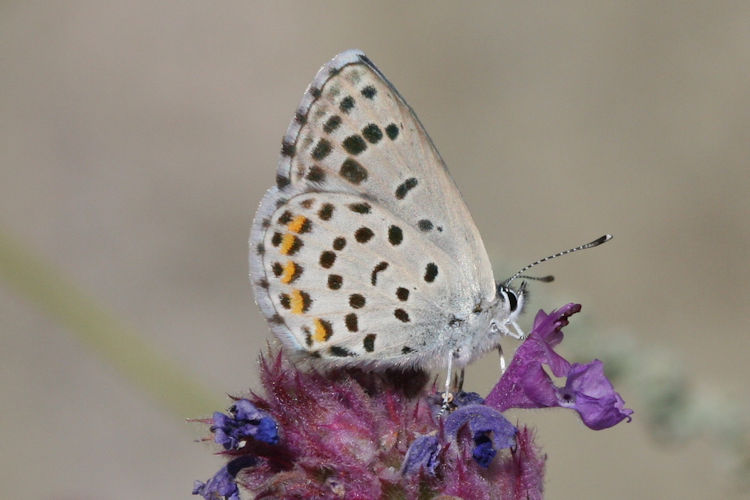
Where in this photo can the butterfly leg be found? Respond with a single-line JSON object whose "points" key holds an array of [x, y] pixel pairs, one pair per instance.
{"points": [[448, 395], [458, 381], [502, 359], [519, 331]]}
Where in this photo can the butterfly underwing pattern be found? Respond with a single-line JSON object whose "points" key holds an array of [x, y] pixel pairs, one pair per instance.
{"points": [[364, 253]]}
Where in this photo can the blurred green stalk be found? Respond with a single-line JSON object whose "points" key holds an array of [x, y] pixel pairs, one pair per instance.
{"points": [[102, 332]]}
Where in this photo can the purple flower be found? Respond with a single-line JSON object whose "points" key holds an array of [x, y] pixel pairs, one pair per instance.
{"points": [[222, 484], [246, 421], [489, 430], [527, 385], [422, 455], [591, 394]]}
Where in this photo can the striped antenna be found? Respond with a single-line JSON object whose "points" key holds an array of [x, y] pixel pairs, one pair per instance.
{"points": [[591, 244]]}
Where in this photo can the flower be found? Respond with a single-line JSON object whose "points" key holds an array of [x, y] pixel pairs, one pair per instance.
{"points": [[592, 395], [246, 422], [489, 430], [357, 434], [422, 455], [222, 484], [527, 385]]}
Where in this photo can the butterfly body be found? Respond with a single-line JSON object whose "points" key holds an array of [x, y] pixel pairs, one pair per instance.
{"points": [[364, 253]]}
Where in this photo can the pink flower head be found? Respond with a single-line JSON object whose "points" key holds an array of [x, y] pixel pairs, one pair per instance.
{"points": [[361, 435]]}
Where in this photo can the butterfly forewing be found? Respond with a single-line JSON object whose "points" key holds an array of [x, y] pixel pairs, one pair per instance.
{"points": [[354, 142]]}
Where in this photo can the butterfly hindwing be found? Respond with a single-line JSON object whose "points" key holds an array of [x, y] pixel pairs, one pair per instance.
{"points": [[347, 279]]}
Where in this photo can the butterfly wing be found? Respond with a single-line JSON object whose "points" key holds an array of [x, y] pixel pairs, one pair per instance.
{"points": [[353, 142]]}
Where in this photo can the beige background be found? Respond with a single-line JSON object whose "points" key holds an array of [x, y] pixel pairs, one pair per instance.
{"points": [[138, 137]]}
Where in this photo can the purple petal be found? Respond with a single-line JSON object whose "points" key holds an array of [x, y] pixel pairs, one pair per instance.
{"points": [[463, 398], [483, 451], [489, 430], [422, 455], [589, 392], [525, 384], [246, 422], [222, 484]]}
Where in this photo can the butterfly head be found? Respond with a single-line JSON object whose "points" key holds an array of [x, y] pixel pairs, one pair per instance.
{"points": [[512, 300], [510, 304]]}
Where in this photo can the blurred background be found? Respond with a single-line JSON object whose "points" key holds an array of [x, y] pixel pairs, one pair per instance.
{"points": [[138, 138]]}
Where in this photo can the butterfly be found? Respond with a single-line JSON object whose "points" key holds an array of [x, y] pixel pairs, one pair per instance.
{"points": [[364, 253]]}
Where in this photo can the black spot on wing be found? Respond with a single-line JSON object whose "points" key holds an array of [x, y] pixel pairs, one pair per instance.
{"points": [[282, 181], [405, 187], [372, 133], [360, 208], [369, 91], [401, 315], [286, 301], [402, 294], [276, 320], [285, 218], [425, 225], [395, 235], [326, 211], [287, 149], [335, 281], [369, 342], [381, 266], [277, 269], [340, 352], [346, 104], [391, 131], [332, 124], [363, 234], [339, 243], [357, 301], [327, 259], [316, 174], [351, 322], [430, 272], [322, 149], [352, 171], [354, 144]]}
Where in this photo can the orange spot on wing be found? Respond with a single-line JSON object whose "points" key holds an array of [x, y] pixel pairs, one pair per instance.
{"points": [[287, 243], [322, 330], [298, 302], [297, 224], [288, 273]]}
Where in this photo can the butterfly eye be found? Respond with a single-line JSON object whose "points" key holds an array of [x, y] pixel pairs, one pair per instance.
{"points": [[512, 300], [509, 295]]}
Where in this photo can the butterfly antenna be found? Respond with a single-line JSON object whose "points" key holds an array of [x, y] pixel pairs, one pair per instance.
{"points": [[591, 244], [544, 279]]}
